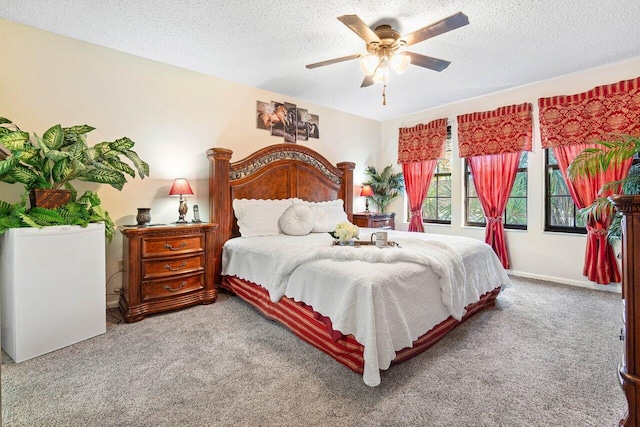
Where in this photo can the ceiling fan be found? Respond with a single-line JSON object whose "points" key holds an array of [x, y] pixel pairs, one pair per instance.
{"points": [[385, 48]]}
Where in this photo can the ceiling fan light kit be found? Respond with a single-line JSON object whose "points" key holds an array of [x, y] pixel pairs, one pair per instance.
{"points": [[384, 46]]}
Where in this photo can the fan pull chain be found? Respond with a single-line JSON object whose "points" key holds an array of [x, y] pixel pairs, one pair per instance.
{"points": [[384, 95]]}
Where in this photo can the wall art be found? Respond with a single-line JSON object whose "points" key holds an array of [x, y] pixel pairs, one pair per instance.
{"points": [[287, 121]]}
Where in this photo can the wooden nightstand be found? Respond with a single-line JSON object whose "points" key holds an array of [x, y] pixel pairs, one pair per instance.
{"points": [[166, 268], [375, 220]]}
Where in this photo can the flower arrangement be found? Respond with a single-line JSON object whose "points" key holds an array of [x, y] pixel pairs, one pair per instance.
{"points": [[345, 231]]}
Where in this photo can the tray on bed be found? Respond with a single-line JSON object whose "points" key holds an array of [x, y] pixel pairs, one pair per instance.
{"points": [[363, 243]]}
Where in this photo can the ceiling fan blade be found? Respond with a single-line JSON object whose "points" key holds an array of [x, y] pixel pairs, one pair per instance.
{"points": [[368, 81], [427, 61], [447, 24], [333, 61], [359, 27]]}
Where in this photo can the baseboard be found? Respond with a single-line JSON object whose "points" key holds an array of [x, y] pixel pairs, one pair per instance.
{"points": [[112, 302], [612, 287]]}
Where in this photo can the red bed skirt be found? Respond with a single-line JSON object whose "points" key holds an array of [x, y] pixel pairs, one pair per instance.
{"points": [[303, 322]]}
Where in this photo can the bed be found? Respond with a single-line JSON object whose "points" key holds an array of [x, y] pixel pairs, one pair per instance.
{"points": [[364, 306]]}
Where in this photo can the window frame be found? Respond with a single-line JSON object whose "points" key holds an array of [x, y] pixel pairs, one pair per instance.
{"points": [[434, 179], [467, 176], [547, 199], [547, 202]]}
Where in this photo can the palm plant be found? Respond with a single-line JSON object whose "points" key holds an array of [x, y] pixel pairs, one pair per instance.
{"points": [[386, 185], [592, 161]]}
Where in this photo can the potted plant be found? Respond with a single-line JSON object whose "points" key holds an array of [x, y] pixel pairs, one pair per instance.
{"points": [[593, 160], [386, 185], [50, 163], [78, 211]]}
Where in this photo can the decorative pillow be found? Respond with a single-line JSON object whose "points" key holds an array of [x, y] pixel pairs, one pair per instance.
{"points": [[257, 217], [327, 215], [322, 220], [297, 220]]}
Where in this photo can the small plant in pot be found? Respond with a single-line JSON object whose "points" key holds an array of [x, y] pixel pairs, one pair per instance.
{"points": [[386, 185], [50, 163]]}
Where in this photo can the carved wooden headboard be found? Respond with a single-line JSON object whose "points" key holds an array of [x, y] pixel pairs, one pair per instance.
{"points": [[276, 172]]}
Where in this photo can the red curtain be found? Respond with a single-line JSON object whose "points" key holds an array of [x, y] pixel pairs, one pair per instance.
{"points": [[419, 148], [571, 123], [492, 141], [417, 178], [422, 142], [493, 177], [600, 263]]}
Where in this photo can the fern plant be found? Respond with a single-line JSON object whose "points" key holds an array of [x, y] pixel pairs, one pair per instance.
{"points": [[386, 185], [62, 155], [592, 161], [81, 211]]}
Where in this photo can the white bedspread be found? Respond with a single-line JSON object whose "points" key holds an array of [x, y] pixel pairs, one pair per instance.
{"points": [[386, 298]]}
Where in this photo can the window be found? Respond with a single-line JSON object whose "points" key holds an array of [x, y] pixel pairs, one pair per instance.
{"points": [[436, 208], [515, 214], [561, 214]]}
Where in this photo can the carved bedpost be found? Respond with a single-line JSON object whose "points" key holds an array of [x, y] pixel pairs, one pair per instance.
{"points": [[630, 367], [220, 201], [347, 187]]}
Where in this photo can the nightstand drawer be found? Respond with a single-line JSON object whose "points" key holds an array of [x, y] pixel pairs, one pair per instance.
{"points": [[171, 266], [170, 288], [174, 245], [375, 220], [381, 223]]}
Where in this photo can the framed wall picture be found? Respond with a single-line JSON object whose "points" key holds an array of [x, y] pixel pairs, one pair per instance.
{"points": [[285, 120]]}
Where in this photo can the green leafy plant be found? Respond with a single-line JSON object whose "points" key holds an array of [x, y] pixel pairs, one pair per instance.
{"points": [[592, 161], [52, 161], [81, 211], [62, 155], [386, 185]]}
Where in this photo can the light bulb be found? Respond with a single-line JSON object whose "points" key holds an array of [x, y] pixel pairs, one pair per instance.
{"points": [[368, 64], [400, 62], [381, 75]]}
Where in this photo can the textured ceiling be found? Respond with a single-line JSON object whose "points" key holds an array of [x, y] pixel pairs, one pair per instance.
{"points": [[266, 45]]}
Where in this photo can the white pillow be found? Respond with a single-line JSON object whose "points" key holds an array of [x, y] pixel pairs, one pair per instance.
{"points": [[257, 217], [297, 220], [327, 215]]}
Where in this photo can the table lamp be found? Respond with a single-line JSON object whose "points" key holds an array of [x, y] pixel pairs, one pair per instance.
{"points": [[366, 191], [181, 188]]}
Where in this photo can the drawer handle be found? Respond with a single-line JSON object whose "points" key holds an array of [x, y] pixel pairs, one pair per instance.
{"points": [[171, 248], [170, 289], [168, 267]]}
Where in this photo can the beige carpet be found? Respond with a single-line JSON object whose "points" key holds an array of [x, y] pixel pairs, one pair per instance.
{"points": [[546, 355]]}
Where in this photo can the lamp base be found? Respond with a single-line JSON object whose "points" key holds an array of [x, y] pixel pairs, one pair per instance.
{"points": [[182, 211]]}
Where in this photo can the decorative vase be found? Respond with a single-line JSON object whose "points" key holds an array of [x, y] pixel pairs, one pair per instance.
{"points": [[144, 216]]}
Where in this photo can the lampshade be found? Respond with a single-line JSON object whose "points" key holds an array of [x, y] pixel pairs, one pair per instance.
{"points": [[399, 62], [381, 75], [180, 187], [366, 191], [369, 63]]}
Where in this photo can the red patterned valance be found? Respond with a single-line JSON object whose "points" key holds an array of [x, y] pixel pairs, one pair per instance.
{"points": [[505, 130], [591, 116], [422, 142]]}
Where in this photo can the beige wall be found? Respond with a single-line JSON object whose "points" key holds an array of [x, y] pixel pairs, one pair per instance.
{"points": [[172, 114], [534, 252]]}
